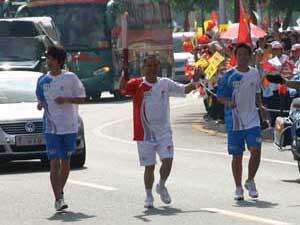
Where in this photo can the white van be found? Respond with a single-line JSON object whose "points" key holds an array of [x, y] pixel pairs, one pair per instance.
{"points": [[181, 57]]}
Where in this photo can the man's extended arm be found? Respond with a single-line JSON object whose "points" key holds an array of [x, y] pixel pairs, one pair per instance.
{"points": [[195, 81], [262, 109]]}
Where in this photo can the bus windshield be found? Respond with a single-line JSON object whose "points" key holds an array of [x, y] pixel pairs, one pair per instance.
{"points": [[82, 27]]}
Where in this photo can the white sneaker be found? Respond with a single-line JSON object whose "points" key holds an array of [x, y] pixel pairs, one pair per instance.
{"points": [[149, 202], [250, 186], [60, 205], [239, 194], [164, 194]]}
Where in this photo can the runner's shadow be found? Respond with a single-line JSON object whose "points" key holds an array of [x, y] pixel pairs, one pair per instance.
{"points": [[165, 211], [297, 181], [69, 216], [255, 203], [292, 206], [24, 167]]}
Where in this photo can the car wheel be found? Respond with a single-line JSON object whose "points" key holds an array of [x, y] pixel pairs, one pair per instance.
{"points": [[96, 97], [4, 161], [45, 162], [118, 95], [78, 161], [93, 97]]}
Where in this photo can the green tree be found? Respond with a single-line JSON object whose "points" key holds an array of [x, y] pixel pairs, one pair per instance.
{"points": [[288, 6], [187, 6]]}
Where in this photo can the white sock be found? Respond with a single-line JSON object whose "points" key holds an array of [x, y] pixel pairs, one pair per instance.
{"points": [[162, 183], [149, 192]]}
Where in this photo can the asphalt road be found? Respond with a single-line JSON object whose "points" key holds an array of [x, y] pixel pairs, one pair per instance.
{"points": [[109, 189]]}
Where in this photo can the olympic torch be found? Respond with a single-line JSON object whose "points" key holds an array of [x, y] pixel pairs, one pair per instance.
{"points": [[124, 40]]}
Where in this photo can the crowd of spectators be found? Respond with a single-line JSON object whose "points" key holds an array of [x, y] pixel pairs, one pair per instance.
{"points": [[277, 52]]}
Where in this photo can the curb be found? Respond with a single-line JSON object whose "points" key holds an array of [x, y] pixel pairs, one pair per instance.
{"points": [[211, 132]]}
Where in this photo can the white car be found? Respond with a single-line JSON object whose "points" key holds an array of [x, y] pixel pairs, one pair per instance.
{"points": [[21, 124], [181, 58]]}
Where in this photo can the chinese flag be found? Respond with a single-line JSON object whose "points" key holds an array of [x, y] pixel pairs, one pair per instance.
{"points": [[233, 61], [244, 35]]}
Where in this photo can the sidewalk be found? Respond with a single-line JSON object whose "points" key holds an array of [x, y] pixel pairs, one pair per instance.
{"points": [[212, 127]]}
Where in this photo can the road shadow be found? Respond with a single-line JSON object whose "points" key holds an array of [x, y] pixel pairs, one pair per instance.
{"points": [[23, 167], [255, 203], [69, 216], [201, 120], [111, 100], [293, 206], [296, 181], [206, 124], [165, 211]]}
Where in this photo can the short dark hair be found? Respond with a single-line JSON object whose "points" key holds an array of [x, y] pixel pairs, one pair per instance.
{"points": [[150, 56], [58, 53], [243, 45]]}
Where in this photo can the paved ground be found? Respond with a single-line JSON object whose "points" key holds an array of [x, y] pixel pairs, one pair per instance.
{"points": [[109, 189]]}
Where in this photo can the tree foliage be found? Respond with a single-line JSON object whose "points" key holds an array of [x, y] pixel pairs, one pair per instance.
{"points": [[190, 5]]}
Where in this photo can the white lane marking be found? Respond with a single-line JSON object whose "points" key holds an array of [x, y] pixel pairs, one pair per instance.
{"points": [[226, 154], [246, 217], [99, 132], [91, 185]]}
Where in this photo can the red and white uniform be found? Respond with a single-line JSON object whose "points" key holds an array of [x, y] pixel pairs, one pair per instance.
{"points": [[151, 116]]}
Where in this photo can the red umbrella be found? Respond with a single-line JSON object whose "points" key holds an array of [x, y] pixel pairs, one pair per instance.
{"points": [[232, 32]]}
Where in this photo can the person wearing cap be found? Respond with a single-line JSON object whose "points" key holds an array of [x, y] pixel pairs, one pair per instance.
{"points": [[277, 50], [295, 51], [294, 83], [151, 119], [58, 93]]}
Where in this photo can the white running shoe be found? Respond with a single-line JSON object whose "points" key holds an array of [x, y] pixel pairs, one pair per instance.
{"points": [[164, 194], [149, 202], [60, 205], [250, 186], [239, 194]]}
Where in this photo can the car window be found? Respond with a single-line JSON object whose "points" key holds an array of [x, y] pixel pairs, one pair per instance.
{"points": [[17, 90], [17, 29], [18, 49]]}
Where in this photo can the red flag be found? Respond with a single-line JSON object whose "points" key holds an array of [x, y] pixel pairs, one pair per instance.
{"points": [[269, 68], [244, 35], [282, 89], [233, 61]]}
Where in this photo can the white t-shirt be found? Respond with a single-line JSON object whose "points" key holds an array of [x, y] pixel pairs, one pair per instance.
{"points": [[60, 118], [156, 108], [245, 115], [241, 88]]}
